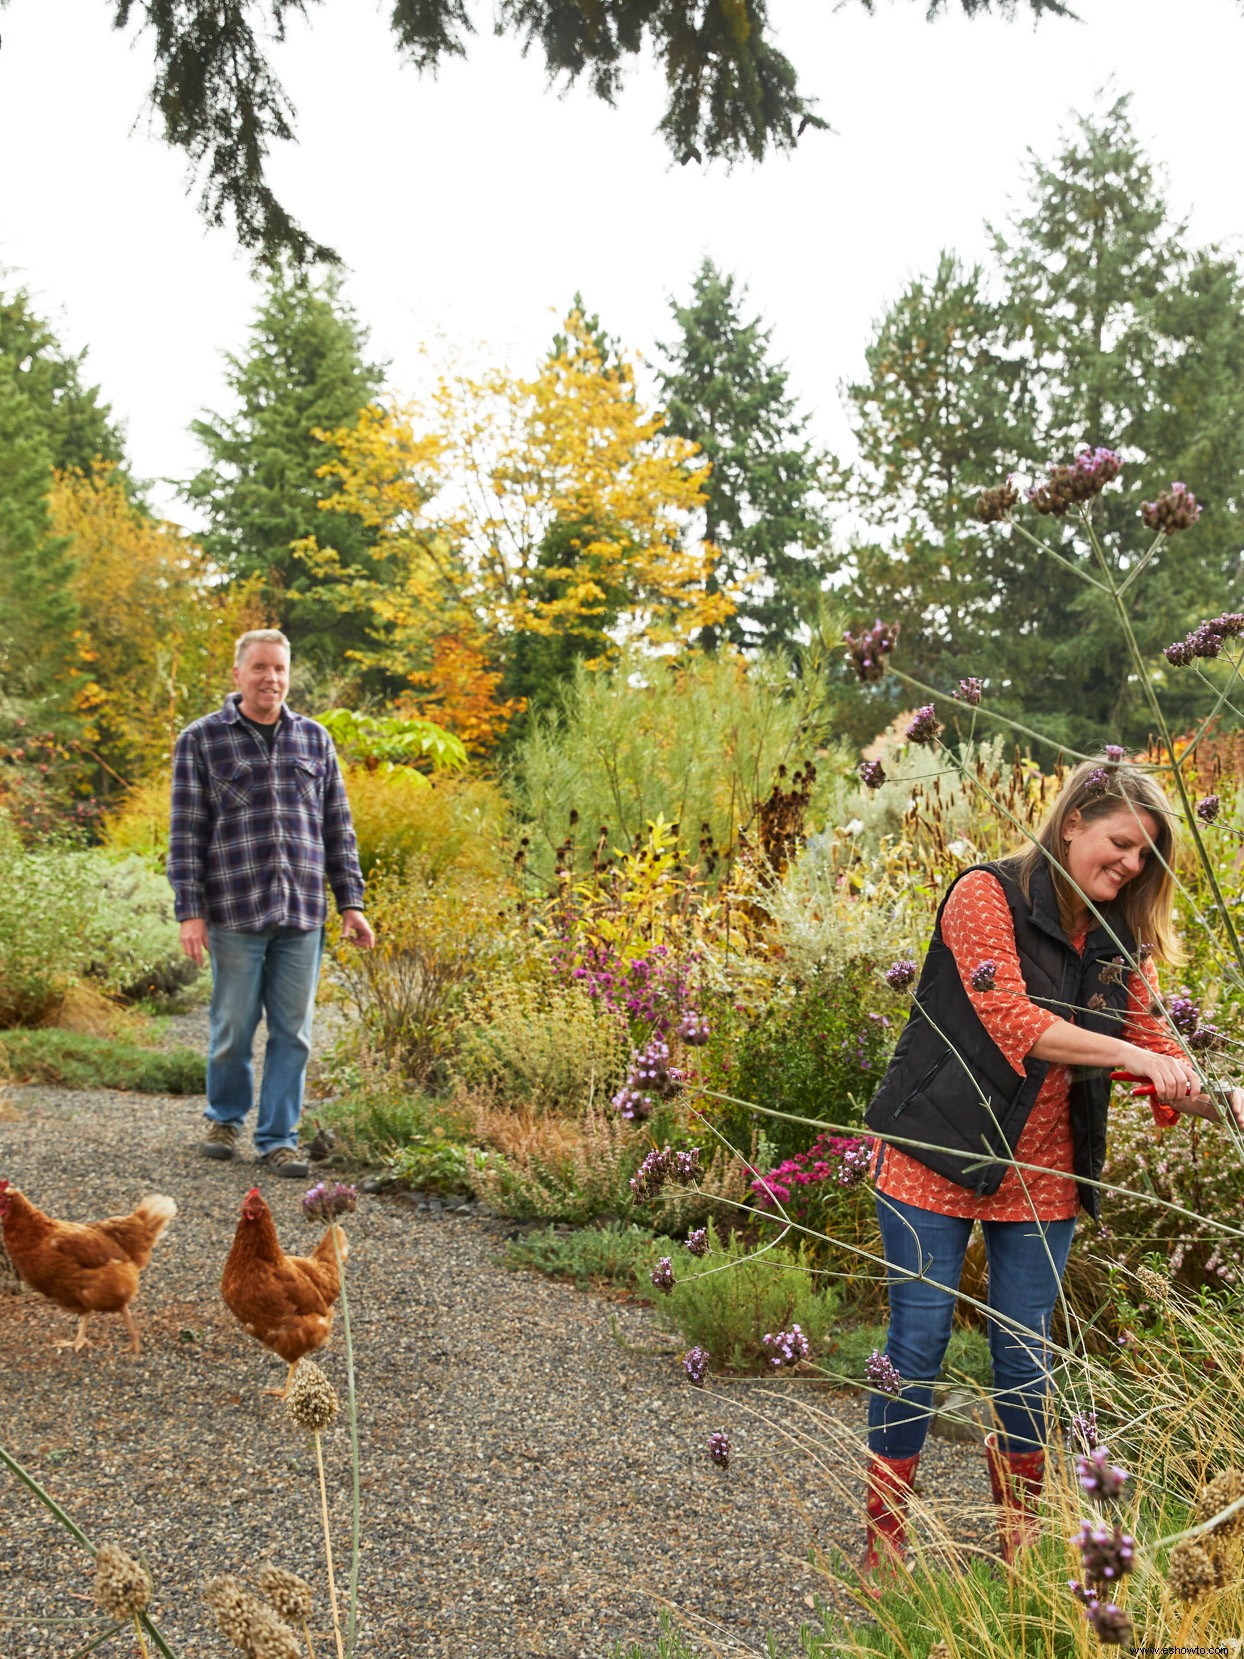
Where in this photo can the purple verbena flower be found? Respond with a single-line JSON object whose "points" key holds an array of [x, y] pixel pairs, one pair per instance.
{"points": [[719, 1448], [970, 692], [1084, 1429], [1071, 486], [899, 975], [1100, 1478], [1113, 1626], [924, 725], [984, 975], [854, 1166], [695, 1364], [697, 1241], [872, 774], [328, 1200], [787, 1347], [652, 1174], [868, 652], [1208, 808], [1106, 1553], [1184, 1012], [694, 1030], [1115, 753], [1175, 509], [1097, 782], [685, 1167], [663, 1275], [882, 1373], [1178, 653]]}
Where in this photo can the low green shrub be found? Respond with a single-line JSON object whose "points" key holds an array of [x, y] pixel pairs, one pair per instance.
{"points": [[545, 1046], [373, 1109], [434, 1163], [590, 1256], [728, 1300], [75, 1060], [816, 1049], [553, 1168]]}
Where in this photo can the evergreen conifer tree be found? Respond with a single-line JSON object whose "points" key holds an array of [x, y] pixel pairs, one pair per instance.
{"points": [[304, 370], [78, 428], [37, 612], [723, 391]]}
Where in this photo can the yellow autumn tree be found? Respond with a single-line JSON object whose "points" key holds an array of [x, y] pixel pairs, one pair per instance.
{"points": [[156, 625], [530, 523]]}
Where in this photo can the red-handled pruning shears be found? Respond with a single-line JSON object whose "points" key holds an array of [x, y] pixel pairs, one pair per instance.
{"points": [[1165, 1113]]}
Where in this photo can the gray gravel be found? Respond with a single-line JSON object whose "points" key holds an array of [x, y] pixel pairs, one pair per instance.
{"points": [[535, 1480]]}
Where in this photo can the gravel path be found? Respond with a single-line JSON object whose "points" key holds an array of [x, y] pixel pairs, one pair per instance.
{"points": [[534, 1474]]}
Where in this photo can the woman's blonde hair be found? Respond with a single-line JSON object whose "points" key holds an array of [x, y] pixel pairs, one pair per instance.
{"points": [[1097, 789]]}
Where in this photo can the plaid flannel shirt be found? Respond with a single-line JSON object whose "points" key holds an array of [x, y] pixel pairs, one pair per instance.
{"points": [[254, 836]]}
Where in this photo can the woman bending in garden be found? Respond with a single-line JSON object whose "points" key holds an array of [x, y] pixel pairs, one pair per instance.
{"points": [[1039, 981]]}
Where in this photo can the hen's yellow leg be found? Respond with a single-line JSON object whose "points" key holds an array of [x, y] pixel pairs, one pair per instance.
{"points": [[79, 1342], [132, 1328], [280, 1393]]}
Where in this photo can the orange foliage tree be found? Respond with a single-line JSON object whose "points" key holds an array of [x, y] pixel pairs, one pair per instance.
{"points": [[156, 624]]}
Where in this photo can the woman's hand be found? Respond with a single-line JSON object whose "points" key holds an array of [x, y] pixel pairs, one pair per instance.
{"points": [[1211, 1106], [1173, 1079]]}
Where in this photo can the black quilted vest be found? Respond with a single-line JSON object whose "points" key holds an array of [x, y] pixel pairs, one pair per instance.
{"points": [[950, 1087]]}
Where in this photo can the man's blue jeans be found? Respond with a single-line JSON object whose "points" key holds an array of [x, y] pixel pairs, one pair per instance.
{"points": [[274, 973], [923, 1251]]}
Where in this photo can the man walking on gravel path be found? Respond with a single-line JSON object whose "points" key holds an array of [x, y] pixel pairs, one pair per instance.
{"points": [[259, 821]]}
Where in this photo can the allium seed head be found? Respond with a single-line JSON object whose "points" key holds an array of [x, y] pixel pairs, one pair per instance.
{"points": [[1156, 1286], [122, 1584], [1191, 1572], [1218, 1494], [719, 1448], [983, 976], [290, 1596], [248, 1623], [311, 1400]]}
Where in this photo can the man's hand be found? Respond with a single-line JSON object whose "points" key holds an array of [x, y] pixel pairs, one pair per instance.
{"points": [[194, 940], [356, 929]]}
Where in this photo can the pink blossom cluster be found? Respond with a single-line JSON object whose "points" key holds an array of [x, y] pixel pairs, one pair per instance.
{"points": [[824, 1160]]}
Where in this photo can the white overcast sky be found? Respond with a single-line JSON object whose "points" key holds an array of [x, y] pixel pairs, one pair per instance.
{"points": [[473, 206]]}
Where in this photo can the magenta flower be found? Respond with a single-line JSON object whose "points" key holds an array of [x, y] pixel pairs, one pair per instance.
{"points": [[970, 692], [719, 1448], [983, 976], [1114, 753]]}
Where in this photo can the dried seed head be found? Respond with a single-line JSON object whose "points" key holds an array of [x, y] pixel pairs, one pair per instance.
{"points": [[1217, 1495], [1156, 1286], [122, 1585], [291, 1596], [1191, 1572], [231, 1602], [248, 1623], [939, 1650], [312, 1400]]}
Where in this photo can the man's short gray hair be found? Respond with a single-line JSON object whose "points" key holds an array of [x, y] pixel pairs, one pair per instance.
{"points": [[258, 636]]}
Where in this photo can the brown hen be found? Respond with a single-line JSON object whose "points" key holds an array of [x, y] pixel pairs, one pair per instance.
{"points": [[285, 1302], [84, 1268]]}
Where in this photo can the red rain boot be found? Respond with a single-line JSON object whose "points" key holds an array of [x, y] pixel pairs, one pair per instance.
{"points": [[889, 1481], [1016, 1479]]}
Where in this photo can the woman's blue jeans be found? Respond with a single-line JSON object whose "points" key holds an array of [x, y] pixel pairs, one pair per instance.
{"points": [[924, 1255], [275, 974]]}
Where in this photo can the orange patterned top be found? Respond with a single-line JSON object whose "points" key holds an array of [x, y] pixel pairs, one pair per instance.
{"points": [[976, 925]]}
